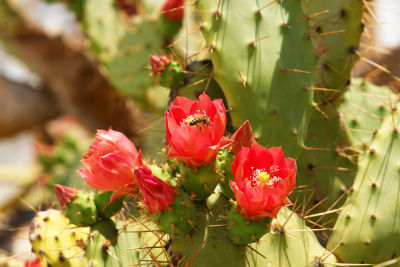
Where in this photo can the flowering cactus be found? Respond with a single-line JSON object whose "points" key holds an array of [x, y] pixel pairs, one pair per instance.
{"points": [[262, 179], [195, 129], [110, 162], [156, 194]]}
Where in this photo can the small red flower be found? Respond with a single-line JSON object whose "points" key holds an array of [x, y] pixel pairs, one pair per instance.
{"points": [[110, 164], [173, 10], [243, 137], [34, 263], [64, 194], [262, 178], [157, 194], [195, 129], [158, 64]]}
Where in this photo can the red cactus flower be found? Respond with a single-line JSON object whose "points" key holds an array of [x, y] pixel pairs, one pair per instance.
{"points": [[262, 178], [173, 10], [243, 137], [158, 64], [64, 194], [110, 164], [33, 263], [195, 129], [157, 194]]}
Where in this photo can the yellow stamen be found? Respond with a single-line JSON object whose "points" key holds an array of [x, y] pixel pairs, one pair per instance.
{"points": [[263, 177]]}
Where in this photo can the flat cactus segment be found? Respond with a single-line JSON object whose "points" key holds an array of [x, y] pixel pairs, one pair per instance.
{"points": [[264, 63], [289, 243], [335, 30], [368, 228], [122, 46], [121, 244], [329, 167], [208, 244], [56, 241], [364, 106]]}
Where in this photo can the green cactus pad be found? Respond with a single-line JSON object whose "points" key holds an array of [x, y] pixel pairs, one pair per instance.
{"points": [[56, 241], [264, 62], [290, 243], [82, 210], [208, 244], [199, 182], [113, 244], [179, 217], [335, 29], [244, 231], [368, 228], [363, 107], [328, 168], [122, 46]]}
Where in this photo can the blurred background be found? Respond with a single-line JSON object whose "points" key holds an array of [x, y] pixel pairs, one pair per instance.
{"points": [[57, 87]]}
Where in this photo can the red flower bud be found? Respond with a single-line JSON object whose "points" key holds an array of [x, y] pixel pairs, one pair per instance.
{"points": [[243, 137], [262, 179], [173, 10], [195, 129], [64, 194], [157, 194], [110, 162], [158, 64]]}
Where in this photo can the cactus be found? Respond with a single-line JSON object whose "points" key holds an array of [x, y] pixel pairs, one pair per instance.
{"points": [[335, 28], [264, 66], [363, 107], [205, 244], [179, 217], [289, 243], [56, 241], [367, 230]]}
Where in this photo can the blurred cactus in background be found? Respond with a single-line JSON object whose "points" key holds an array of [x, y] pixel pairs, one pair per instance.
{"points": [[229, 133]]}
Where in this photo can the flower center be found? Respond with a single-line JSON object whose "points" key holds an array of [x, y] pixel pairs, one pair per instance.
{"points": [[261, 176], [197, 120]]}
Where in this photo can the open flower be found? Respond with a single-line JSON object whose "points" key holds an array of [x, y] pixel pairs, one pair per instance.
{"points": [[173, 10], [110, 164], [157, 194], [262, 178], [195, 129]]}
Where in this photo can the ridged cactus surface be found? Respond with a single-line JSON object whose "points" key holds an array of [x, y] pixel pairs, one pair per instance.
{"points": [[368, 228], [264, 63]]}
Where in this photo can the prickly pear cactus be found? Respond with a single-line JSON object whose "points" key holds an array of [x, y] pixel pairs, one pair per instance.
{"points": [[123, 46], [56, 241], [364, 107], [264, 63], [335, 28], [367, 230], [289, 243]]}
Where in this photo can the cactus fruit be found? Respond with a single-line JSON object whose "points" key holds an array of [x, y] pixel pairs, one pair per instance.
{"points": [[245, 231], [367, 230], [208, 244], [199, 182], [178, 218], [290, 243], [56, 241], [265, 66], [223, 164], [81, 208]]}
